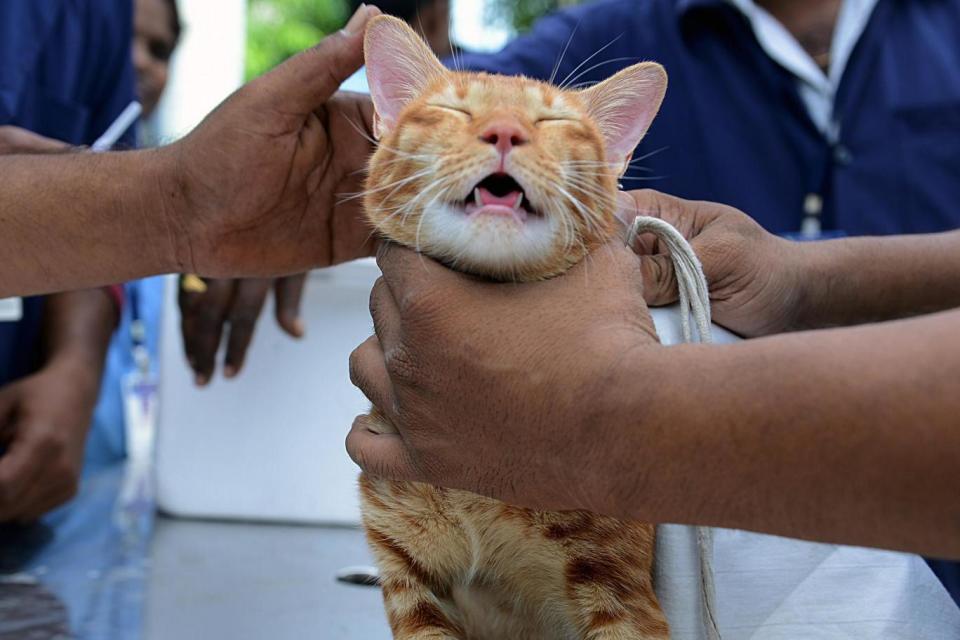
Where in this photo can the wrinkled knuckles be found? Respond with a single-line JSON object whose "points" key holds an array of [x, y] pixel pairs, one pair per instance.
{"points": [[421, 306], [357, 377], [401, 365]]}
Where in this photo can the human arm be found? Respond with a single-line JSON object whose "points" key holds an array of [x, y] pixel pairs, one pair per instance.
{"points": [[255, 190], [44, 417], [761, 284], [845, 435]]}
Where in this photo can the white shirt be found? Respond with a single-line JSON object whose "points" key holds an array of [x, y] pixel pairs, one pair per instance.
{"points": [[817, 89]]}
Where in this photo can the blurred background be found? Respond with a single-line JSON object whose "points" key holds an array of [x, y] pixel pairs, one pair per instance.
{"points": [[253, 36]]}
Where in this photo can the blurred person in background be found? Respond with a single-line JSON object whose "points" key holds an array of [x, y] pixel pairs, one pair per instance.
{"points": [[429, 18], [213, 308], [65, 76], [156, 33]]}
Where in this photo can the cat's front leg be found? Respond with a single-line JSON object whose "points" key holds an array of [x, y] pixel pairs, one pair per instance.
{"points": [[612, 600], [414, 611], [414, 548]]}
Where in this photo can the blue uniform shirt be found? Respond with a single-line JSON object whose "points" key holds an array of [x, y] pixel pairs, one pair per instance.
{"points": [[65, 72], [734, 129]]}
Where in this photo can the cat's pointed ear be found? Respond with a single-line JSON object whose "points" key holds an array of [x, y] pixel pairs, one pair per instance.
{"points": [[624, 105], [400, 66]]}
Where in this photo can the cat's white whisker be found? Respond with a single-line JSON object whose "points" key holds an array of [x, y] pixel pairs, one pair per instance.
{"points": [[597, 66], [588, 59], [556, 66], [641, 178], [395, 185], [649, 155]]}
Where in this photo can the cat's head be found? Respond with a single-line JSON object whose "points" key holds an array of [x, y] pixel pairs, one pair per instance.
{"points": [[505, 177]]}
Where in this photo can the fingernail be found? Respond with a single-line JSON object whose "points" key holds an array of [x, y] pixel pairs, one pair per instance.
{"points": [[299, 329], [201, 380], [357, 20], [229, 371]]}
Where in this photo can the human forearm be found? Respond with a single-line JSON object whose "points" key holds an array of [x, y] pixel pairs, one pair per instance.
{"points": [[78, 220], [845, 435], [77, 330], [857, 280]]}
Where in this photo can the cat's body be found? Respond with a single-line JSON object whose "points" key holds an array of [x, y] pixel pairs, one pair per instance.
{"points": [[510, 179], [457, 565]]}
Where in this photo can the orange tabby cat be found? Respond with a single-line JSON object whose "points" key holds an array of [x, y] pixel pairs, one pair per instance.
{"points": [[511, 179]]}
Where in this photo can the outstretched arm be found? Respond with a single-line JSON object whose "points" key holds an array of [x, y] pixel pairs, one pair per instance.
{"points": [[255, 190], [75, 220], [843, 435], [761, 284]]}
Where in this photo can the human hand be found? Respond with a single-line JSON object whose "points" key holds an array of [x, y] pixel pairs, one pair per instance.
{"points": [[501, 389], [754, 277], [43, 424], [14, 140], [259, 187], [205, 315]]}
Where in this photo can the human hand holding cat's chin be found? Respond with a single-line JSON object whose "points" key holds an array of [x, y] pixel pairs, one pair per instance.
{"points": [[755, 278], [497, 387]]}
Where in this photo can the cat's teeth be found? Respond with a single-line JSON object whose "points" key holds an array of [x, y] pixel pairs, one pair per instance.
{"points": [[516, 205], [476, 197]]}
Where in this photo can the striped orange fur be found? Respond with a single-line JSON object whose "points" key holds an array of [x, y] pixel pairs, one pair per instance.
{"points": [[455, 565]]}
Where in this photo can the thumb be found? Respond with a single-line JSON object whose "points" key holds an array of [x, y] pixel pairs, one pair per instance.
{"points": [[659, 279], [383, 455], [306, 81]]}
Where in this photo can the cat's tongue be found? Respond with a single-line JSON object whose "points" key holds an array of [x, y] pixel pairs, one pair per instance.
{"points": [[509, 200]]}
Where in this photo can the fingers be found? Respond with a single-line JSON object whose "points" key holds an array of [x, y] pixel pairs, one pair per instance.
{"points": [[647, 202], [380, 454], [20, 470], [407, 272], [289, 292], [385, 314], [202, 319], [368, 372], [42, 499], [304, 82], [659, 280], [245, 308], [656, 265]]}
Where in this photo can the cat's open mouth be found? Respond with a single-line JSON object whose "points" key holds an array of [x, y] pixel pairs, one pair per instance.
{"points": [[500, 195]]}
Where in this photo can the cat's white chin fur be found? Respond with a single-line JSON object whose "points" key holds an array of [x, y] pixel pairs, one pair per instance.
{"points": [[492, 245]]}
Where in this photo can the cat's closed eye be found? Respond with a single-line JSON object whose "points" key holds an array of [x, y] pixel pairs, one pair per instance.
{"points": [[552, 119], [447, 107]]}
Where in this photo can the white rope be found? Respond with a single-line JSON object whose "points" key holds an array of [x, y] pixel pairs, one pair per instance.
{"points": [[694, 299]]}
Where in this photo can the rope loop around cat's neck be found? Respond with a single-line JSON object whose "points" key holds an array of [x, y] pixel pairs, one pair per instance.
{"points": [[694, 297]]}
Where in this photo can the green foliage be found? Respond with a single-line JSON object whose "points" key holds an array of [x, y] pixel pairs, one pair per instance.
{"points": [[521, 14], [277, 29]]}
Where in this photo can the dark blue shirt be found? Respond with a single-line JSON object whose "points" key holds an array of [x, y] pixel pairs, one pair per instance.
{"points": [[66, 72], [734, 129]]}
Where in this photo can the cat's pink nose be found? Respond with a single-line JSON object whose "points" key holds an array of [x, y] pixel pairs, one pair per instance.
{"points": [[504, 136]]}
